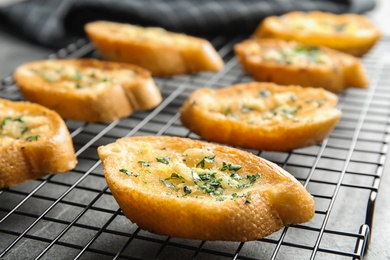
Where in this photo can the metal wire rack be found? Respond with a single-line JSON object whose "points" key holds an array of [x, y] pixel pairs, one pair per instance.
{"points": [[73, 215]]}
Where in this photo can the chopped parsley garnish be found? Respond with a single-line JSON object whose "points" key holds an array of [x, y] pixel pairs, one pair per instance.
{"points": [[208, 159], [235, 176], [144, 163], [230, 167], [311, 52], [286, 111], [169, 184], [174, 175], [33, 138], [320, 102], [253, 178], [246, 109], [293, 98], [209, 183], [220, 198], [234, 196], [164, 160], [264, 93], [77, 76], [187, 190], [127, 172], [247, 200], [340, 27]]}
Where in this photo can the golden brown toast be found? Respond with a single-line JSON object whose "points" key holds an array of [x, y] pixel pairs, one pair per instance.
{"points": [[190, 189], [262, 116], [162, 52], [88, 89], [293, 63], [350, 33], [34, 141]]}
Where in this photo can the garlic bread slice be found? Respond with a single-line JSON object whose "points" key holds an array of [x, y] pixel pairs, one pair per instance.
{"points": [[34, 141], [293, 63], [262, 116], [191, 189], [161, 52], [88, 89], [350, 33]]}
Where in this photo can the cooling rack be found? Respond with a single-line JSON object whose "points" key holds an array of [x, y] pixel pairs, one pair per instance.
{"points": [[73, 215]]}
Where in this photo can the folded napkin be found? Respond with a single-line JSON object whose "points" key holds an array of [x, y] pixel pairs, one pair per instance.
{"points": [[56, 23]]}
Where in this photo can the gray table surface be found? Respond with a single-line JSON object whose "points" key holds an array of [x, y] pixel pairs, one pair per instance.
{"points": [[15, 51]]}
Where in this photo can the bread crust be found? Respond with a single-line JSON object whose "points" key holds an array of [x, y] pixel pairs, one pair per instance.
{"points": [[275, 199], [350, 33], [334, 71], [290, 117], [88, 89], [22, 160], [177, 54]]}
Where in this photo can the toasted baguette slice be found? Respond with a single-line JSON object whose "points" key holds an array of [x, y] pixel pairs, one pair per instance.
{"points": [[262, 116], [88, 89], [161, 52], [350, 33], [34, 141], [293, 63], [190, 189]]}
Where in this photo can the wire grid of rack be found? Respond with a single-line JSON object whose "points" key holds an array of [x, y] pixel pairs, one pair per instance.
{"points": [[73, 215]]}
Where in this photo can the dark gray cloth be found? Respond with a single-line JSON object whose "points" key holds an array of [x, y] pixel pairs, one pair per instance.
{"points": [[55, 23]]}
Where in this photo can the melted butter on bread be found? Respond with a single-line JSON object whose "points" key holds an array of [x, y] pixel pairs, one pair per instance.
{"points": [[196, 173], [72, 77], [24, 128]]}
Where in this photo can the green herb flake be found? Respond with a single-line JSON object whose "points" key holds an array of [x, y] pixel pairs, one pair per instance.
{"points": [[340, 27], [230, 167], [175, 176], [33, 138], [187, 190], [208, 159], [253, 178], [127, 172], [219, 198], [144, 163], [247, 200], [246, 109], [164, 160], [264, 93], [77, 76], [320, 102], [169, 184], [235, 176], [234, 196], [293, 98]]}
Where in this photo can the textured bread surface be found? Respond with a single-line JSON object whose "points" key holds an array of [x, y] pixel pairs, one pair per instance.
{"points": [[292, 63], [191, 189], [161, 52], [88, 89], [34, 141], [262, 116], [350, 33]]}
